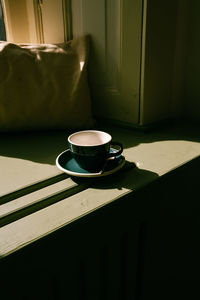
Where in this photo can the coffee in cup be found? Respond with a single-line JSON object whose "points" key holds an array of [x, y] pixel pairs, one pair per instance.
{"points": [[92, 148]]}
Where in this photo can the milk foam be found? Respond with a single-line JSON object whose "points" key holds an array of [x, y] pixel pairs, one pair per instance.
{"points": [[90, 138]]}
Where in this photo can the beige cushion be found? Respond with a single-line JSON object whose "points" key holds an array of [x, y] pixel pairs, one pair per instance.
{"points": [[44, 86]]}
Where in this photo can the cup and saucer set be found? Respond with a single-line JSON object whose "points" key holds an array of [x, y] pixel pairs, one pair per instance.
{"points": [[91, 153]]}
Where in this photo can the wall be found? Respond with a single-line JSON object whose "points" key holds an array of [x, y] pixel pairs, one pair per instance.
{"points": [[185, 103], [192, 69], [180, 58], [171, 61]]}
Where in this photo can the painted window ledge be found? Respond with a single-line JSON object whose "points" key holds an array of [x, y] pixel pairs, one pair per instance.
{"points": [[37, 199]]}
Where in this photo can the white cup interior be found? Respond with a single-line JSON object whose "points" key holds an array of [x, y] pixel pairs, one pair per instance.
{"points": [[89, 138]]}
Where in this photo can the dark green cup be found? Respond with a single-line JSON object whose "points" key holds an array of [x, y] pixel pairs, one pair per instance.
{"points": [[92, 148]]}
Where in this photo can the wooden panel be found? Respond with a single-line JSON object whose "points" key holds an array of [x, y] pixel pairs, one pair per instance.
{"points": [[159, 36], [114, 68]]}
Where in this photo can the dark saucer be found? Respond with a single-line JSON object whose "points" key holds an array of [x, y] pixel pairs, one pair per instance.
{"points": [[66, 163]]}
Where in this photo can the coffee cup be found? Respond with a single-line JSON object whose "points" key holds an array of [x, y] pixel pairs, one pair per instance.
{"points": [[92, 148]]}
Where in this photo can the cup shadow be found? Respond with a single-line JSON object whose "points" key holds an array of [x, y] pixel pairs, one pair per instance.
{"points": [[130, 177]]}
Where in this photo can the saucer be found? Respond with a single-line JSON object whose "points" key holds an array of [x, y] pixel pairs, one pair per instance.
{"points": [[66, 163]]}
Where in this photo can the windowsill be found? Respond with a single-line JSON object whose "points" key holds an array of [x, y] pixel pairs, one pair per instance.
{"points": [[39, 199]]}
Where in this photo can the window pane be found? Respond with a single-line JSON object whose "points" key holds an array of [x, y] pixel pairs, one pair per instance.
{"points": [[2, 26]]}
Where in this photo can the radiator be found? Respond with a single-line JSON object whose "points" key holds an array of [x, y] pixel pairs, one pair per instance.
{"points": [[97, 257]]}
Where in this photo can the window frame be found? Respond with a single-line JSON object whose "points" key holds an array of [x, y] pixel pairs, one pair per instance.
{"points": [[29, 20]]}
